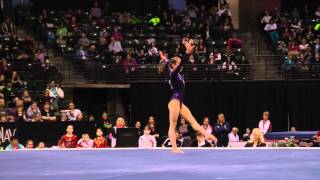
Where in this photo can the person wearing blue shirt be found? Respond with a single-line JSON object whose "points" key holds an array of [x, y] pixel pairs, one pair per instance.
{"points": [[222, 130]]}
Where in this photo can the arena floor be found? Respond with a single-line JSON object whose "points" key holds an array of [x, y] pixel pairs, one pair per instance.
{"points": [[161, 164]]}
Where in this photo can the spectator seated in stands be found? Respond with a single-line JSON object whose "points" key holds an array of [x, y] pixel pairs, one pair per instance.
{"points": [[56, 94], [265, 125], [265, 19], [41, 145], [234, 42], [233, 135], [72, 113], [100, 141], [137, 125], [152, 124], [8, 28], [186, 132], [129, 63], [153, 53], [26, 98], [115, 46], [29, 144], [47, 112], [82, 54], [9, 92], [120, 123], [288, 64], [246, 135], [80, 117], [37, 117], [85, 142], [303, 64], [95, 10], [316, 139], [17, 113], [17, 83], [201, 141], [32, 112], [315, 68], [84, 41], [293, 129], [222, 129], [206, 126], [147, 140], [117, 35], [179, 141], [230, 66], [214, 57], [257, 139], [14, 144], [62, 31], [69, 140], [271, 28]]}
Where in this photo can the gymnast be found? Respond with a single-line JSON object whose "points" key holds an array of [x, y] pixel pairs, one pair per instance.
{"points": [[176, 107]]}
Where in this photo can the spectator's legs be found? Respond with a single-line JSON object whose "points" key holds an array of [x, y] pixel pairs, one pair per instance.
{"points": [[55, 103]]}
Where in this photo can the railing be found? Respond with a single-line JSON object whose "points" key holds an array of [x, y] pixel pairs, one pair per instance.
{"points": [[97, 72], [90, 71]]}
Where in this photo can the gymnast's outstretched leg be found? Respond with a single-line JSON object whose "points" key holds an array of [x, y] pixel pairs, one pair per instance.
{"points": [[187, 115], [174, 111]]}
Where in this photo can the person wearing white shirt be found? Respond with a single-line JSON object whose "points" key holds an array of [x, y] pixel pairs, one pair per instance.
{"points": [[224, 9], [233, 135], [72, 112], [56, 93], [115, 46], [317, 13], [266, 18], [230, 66], [265, 124], [271, 28]]}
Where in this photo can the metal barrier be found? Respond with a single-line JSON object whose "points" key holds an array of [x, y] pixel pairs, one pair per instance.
{"points": [[96, 72], [266, 67]]}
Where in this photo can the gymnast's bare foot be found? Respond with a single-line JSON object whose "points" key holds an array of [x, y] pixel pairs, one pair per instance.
{"points": [[177, 151]]}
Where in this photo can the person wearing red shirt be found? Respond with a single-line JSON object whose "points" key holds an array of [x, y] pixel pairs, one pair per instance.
{"points": [[293, 49], [100, 141], [234, 42], [68, 140]]}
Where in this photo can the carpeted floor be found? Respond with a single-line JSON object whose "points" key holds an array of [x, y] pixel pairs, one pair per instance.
{"points": [[160, 164]]}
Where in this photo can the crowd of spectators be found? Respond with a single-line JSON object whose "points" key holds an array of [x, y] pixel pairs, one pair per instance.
{"points": [[127, 39], [295, 36], [24, 71], [149, 137]]}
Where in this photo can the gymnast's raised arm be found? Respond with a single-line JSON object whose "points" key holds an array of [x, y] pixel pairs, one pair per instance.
{"points": [[162, 63]]}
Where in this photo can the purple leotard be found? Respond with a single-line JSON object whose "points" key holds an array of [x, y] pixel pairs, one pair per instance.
{"points": [[176, 81]]}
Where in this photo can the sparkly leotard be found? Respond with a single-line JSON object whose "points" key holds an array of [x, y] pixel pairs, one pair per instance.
{"points": [[176, 81]]}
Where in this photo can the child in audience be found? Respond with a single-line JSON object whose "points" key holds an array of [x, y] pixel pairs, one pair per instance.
{"points": [[100, 141], [29, 144], [147, 140], [14, 144], [68, 140], [85, 142], [41, 145]]}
